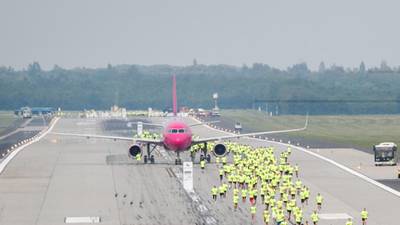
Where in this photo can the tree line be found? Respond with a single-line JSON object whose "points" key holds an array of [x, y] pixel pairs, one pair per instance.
{"points": [[140, 87]]}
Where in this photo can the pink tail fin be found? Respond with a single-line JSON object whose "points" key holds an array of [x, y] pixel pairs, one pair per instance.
{"points": [[174, 100]]}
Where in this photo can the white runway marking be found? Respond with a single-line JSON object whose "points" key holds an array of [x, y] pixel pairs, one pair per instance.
{"points": [[87, 219], [334, 216], [5, 162]]}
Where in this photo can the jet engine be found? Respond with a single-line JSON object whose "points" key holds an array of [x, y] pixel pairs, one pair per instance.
{"points": [[220, 150], [134, 150]]}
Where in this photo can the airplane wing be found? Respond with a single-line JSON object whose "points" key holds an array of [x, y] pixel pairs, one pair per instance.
{"points": [[231, 136], [201, 123], [148, 124], [115, 138]]}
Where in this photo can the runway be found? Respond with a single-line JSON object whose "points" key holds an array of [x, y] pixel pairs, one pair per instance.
{"points": [[61, 177], [19, 131]]}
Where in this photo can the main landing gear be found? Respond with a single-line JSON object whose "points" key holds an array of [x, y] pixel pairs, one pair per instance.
{"points": [[204, 155], [178, 160], [149, 156]]}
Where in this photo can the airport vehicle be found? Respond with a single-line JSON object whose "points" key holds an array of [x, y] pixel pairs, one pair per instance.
{"points": [[238, 127], [385, 154], [26, 112], [177, 137]]}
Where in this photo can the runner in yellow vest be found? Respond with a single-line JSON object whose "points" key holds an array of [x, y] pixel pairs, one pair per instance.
{"points": [[244, 195], [364, 216], [253, 211], [314, 218], [319, 199], [235, 201], [266, 217], [202, 164], [214, 192], [349, 222]]}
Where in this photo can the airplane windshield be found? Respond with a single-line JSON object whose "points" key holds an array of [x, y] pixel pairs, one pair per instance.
{"points": [[175, 131]]}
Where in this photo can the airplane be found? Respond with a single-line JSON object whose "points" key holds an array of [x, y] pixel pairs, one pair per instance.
{"points": [[177, 137]]}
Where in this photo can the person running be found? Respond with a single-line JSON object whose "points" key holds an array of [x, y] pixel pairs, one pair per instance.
{"points": [[266, 216], [244, 195], [214, 192], [202, 165], [314, 217], [349, 221], [319, 199], [253, 211], [364, 216], [235, 201]]}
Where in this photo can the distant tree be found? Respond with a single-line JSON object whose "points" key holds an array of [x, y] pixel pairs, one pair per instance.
{"points": [[321, 67], [384, 67], [140, 87], [57, 67], [337, 69], [362, 68], [34, 68], [299, 69]]}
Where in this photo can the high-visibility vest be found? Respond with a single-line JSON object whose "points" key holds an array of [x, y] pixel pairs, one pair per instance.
{"points": [[298, 184], [364, 214], [299, 217], [224, 159], [251, 193], [253, 210], [349, 222], [319, 199], [214, 191], [202, 163], [266, 216], [235, 199], [280, 217], [314, 217]]}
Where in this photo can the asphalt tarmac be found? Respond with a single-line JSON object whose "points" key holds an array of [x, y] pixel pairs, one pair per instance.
{"points": [[61, 177], [21, 130]]}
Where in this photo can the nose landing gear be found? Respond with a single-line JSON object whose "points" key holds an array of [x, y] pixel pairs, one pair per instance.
{"points": [[178, 160]]}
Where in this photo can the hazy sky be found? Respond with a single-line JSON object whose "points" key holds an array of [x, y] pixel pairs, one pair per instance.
{"points": [[92, 33]]}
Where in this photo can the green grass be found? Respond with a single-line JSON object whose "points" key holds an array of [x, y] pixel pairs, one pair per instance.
{"points": [[361, 130], [6, 119]]}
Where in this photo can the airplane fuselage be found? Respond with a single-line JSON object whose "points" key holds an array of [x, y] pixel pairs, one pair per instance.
{"points": [[177, 136]]}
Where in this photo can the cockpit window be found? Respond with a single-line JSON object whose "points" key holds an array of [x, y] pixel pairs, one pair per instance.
{"points": [[175, 131]]}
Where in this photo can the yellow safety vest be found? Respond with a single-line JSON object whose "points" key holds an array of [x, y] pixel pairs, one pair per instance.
{"points": [[364, 214], [253, 210], [314, 217], [349, 222], [319, 199], [235, 199]]}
